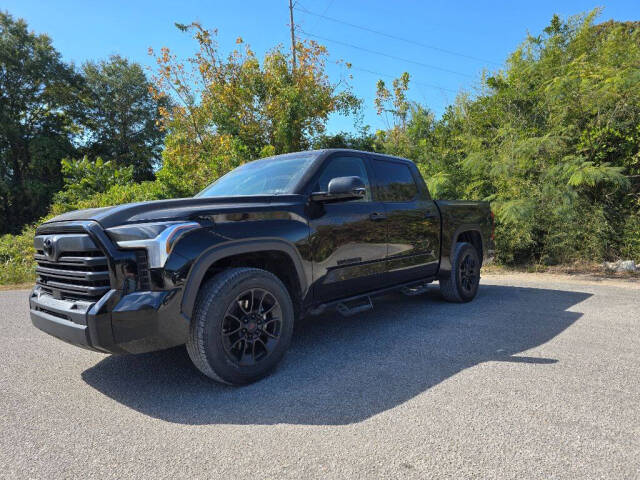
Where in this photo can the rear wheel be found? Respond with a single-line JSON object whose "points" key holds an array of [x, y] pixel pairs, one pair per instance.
{"points": [[242, 325], [461, 285]]}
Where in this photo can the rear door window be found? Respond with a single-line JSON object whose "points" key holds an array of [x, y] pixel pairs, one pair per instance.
{"points": [[394, 182]]}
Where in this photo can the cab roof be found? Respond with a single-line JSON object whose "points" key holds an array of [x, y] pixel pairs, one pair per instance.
{"points": [[323, 153]]}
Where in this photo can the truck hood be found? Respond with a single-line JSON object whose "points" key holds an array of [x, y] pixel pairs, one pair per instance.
{"points": [[177, 209]]}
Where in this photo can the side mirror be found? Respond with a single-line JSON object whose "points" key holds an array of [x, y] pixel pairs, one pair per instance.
{"points": [[342, 189]]}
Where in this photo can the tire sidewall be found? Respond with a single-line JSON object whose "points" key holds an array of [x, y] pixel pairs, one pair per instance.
{"points": [[462, 251], [215, 353]]}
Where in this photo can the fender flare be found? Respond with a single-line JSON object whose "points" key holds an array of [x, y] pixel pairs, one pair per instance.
{"points": [[227, 249], [447, 255], [465, 228]]}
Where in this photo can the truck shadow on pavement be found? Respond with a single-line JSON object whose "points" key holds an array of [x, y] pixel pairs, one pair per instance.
{"points": [[345, 370]]}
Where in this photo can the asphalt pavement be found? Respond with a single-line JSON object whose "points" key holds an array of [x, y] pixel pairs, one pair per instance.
{"points": [[538, 378]]}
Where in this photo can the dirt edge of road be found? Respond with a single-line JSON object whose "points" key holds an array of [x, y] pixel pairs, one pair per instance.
{"points": [[16, 286], [584, 278]]}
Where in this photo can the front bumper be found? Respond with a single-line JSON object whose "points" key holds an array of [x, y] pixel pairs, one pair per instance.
{"points": [[135, 323]]}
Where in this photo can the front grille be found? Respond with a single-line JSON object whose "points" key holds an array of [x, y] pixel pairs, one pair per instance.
{"points": [[71, 266]]}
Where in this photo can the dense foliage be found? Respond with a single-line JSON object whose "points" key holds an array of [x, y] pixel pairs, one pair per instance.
{"points": [[39, 100], [85, 178], [235, 108], [121, 116], [50, 111], [552, 140]]}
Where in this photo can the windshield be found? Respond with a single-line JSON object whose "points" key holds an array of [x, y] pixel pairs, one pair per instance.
{"points": [[268, 176]]}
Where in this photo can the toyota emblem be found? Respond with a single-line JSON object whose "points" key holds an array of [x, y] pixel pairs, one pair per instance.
{"points": [[48, 247]]}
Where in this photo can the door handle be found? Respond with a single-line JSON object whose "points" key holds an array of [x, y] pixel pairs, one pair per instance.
{"points": [[376, 216], [430, 215]]}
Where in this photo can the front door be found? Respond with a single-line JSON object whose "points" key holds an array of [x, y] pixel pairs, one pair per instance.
{"points": [[348, 239]]}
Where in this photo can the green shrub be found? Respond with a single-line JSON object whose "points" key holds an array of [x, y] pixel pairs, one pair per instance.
{"points": [[85, 178], [16, 258], [117, 195], [631, 238]]}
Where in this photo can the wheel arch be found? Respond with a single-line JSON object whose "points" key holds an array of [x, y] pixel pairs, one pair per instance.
{"points": [[466, 232], [471, 235], [278, 256]]}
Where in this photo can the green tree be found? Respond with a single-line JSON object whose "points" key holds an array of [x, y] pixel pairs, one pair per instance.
{"points": [[235, 108], [552, 140], [362, 140], [396, 102], [38, 102], [121, 116]]}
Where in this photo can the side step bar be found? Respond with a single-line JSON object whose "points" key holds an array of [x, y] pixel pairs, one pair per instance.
{"points": [[362, 303], [357, 305], [412, 290]]}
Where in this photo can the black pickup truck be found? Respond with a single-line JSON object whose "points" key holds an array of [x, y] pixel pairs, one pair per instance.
{"points": [[228, 271]]}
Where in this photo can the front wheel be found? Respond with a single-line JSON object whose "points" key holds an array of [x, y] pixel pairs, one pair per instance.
{"points": [[242, 325], [461, 285]]}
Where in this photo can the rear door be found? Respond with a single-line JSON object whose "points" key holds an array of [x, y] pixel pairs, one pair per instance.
{"points": [[412, 218], [348, 240]]}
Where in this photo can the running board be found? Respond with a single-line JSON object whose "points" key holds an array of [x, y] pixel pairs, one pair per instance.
{"points": [[412, 290], [318, 309], [352, 307]]}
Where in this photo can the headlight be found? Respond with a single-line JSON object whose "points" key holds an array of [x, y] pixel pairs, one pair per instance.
{"points": [[157, 238]]}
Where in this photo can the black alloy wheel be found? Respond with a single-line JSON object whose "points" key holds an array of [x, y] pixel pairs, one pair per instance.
{"points": [[469, 274], [242, 325], [251, 326], [461, 283]]}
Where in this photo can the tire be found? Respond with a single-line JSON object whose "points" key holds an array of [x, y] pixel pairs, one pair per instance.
{"points": [[461, 285], [238, 333]]}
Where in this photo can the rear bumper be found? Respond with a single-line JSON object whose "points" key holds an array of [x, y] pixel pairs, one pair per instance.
{"points": [[135, 323]]}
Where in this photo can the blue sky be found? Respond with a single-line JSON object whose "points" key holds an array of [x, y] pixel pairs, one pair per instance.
{"points": [[84, 30]]}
